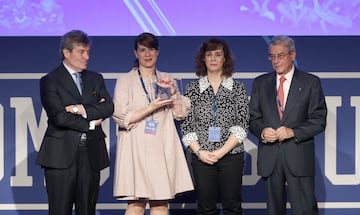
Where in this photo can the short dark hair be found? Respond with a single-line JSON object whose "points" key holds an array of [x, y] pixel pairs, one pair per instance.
{"points": [[146, 39], [211, 45], [71, 38]]}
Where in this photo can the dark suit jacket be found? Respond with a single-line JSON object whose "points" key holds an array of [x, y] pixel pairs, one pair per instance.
{"points": [[60, 143], [305, 112]]}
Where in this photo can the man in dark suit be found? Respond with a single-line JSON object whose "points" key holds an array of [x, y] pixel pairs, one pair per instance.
{"points": [[285, 116], [73, 150]]}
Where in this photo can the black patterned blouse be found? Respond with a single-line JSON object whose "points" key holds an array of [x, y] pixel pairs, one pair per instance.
{"points": [[232, 113]]}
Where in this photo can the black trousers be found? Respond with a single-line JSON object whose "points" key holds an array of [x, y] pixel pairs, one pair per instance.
{"points": [[78, 184], [219, 182], [301, 190]]}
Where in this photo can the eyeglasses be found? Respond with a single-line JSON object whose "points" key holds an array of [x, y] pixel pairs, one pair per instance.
{"points": [[279, 56]]}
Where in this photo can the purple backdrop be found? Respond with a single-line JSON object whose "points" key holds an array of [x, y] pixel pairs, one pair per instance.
{"points": [[180, 18]]}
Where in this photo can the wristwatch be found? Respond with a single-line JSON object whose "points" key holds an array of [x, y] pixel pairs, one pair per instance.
{"points": [[75, 109]]}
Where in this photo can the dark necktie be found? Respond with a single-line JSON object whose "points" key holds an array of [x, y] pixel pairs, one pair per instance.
{"points": [[78, 81], [280, 98]]}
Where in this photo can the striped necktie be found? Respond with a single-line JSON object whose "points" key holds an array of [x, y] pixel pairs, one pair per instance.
{"points": [[78, 81]]}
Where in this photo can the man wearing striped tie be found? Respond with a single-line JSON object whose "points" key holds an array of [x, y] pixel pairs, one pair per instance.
{"points": [[73, 150]]}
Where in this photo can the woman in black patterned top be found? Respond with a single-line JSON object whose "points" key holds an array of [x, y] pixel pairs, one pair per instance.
{"points": [[215, 129]]}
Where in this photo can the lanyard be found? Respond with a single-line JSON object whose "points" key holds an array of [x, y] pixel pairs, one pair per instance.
{"points": [[214, 109], [144, 88]]}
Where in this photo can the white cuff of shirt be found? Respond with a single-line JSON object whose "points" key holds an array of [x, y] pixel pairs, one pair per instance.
{"points": [[189, 138], [239, 133], [92, 125]]}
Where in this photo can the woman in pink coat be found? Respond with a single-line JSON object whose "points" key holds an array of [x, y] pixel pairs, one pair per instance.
{"points": [[150, 162]]}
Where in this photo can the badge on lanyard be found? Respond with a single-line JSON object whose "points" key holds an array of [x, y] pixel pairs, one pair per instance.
{"points": [[214, 134], [151, 126]]}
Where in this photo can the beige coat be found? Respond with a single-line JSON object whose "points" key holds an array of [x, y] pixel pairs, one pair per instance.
{"points": [[147, 166]]}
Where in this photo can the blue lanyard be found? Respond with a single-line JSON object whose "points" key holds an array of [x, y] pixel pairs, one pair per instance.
{"points": [[144, 88], [214, 109]]}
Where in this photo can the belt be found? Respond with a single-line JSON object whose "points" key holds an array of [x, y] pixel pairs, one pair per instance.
{"points": [[83, 139]]}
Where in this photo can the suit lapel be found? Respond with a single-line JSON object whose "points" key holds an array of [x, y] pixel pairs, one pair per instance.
{"points": [[87, 83], [271, 96], [294, 95], [69, 82]]}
